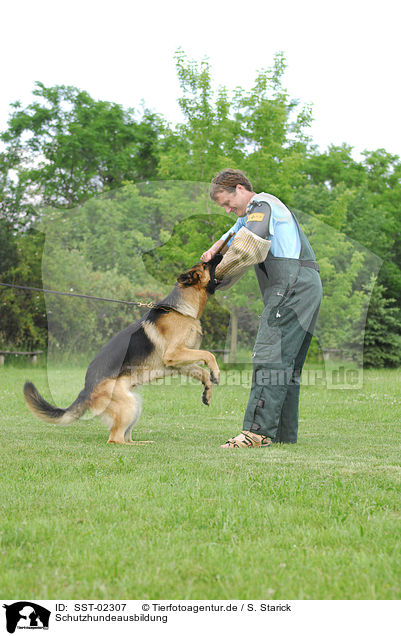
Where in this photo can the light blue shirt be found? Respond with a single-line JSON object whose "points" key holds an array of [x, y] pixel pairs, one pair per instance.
{"points": [[284, 235]]}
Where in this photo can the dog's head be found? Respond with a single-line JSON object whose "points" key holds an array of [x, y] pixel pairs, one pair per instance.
{"points": [[201, 275]]}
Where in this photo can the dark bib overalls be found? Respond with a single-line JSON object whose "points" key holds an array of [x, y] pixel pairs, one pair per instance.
{"points": [[292, 293]]}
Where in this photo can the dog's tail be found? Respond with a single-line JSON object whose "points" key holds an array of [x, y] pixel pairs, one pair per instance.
{"points": [[49, 413]]}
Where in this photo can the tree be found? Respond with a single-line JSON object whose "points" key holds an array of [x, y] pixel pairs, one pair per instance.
{"points": [[77, 325], [261, 131], [334, 166], [8, 244], [274, 132], [22, 313], [384, 186], [360, 199], [66, 146], [382, 343], [345, 270], [210, 137]]}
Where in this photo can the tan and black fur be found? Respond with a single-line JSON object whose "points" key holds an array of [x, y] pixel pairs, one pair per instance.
{"points": [[167, 338]]}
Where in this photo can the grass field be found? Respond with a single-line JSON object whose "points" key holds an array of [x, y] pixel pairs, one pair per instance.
{"points": [[183, 519]]}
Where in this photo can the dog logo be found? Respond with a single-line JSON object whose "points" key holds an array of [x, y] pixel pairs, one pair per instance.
{"points": [[26, 615]]}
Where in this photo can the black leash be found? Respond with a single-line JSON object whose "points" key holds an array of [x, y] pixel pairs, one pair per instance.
{"points": [[138, 303], [59, 293]]}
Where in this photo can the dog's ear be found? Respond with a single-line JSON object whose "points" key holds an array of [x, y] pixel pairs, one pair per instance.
{"points": [[189, 278], [183, 278]]}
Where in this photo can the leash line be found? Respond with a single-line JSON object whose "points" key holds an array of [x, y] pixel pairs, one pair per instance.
{"points": [[139, 303]]}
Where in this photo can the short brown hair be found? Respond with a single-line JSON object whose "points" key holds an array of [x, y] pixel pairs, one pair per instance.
{"points": [[228, 180]]}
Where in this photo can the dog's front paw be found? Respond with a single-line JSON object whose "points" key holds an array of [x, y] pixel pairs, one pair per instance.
{"points": [[215, 377]]}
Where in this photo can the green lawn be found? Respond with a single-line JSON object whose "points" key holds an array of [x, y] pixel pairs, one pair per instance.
{"points": [[183, 519]]}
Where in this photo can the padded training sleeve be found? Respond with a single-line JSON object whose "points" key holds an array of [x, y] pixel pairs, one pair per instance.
{"points": [[247, 249]]}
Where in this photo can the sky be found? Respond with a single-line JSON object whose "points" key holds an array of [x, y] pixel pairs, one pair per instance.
{"points": [[343, 57]]}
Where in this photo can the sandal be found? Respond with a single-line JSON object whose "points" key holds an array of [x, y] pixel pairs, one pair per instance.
{"points": [[246, 439]]}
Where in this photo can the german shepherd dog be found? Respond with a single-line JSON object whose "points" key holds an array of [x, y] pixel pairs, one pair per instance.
{"points": [[167, 338]]}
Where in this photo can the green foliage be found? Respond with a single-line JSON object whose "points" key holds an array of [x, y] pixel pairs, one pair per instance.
{"points": [[274, 132], [80, 325], [22, 313], [261, 131], [189, 239], [345, 269], [8, 243], [335, 166], [215, 326], [65, 147], [382, 347], [210, 137], [360, 199]]}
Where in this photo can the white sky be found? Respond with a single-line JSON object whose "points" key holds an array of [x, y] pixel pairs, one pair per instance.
{"points": [[343, 57]]}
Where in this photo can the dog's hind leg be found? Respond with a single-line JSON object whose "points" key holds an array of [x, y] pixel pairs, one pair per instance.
{"points": [[135, 415], [137, 408], [120, 412], [124, 410], [115, 404], [201, 374]]}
